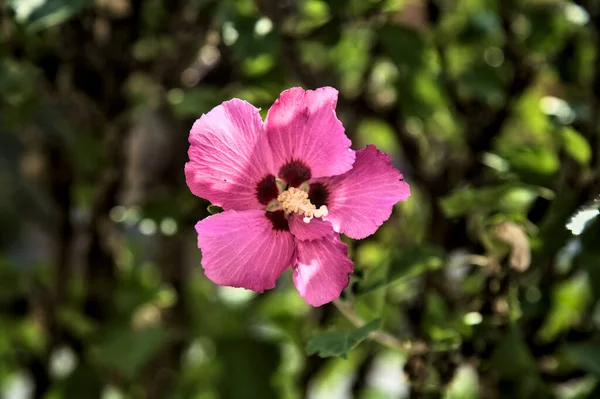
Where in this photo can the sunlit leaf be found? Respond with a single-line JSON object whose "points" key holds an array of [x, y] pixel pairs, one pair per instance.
{"points": [[464, 385], [538, 160], [569, 300], [576, 145], [378, 133], [42, 14]]}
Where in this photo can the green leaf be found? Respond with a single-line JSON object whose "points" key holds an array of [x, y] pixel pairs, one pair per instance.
{"points": [[576, 145], [18, 81], [590, 253], [539, 160], [252, 362], [83, 382], [505, 197], [338, 343], [407, 263], [464, 385], [39, 15], [514, 364], [405, 46], [484, 82], [378, 133], [547, 29], [512, 358], [194, 102], [569, 301], [586, 356], [214, 209], [127, 351], [481, 25], [258, 65]]}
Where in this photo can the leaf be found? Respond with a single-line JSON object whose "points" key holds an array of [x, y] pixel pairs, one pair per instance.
{"points": [[17, 81], [480, 26], [214, 209], [378, 133], [464, 385], [194, 102], [406, 263], [484, 82], [415, 260], [505, 197], [405, 46], [439, 322], [539, 160], [590, 253], [547, 29], [83, 382], [127, 351], [586, 356], [569, 301], [252, 362], [512, 358], [338, 343], [576, 145], [39, 15]]}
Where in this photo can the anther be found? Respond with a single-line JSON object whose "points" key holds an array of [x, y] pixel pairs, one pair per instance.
{"points": [[296, 201]]}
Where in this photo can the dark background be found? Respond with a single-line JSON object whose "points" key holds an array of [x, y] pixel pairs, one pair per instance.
{"points": [[490, 109]]}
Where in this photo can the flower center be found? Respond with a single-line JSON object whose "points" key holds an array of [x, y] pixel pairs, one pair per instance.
{"points": [[296, 200]]}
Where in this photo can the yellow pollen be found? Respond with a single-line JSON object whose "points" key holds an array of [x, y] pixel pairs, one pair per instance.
{"points": [[296, 201]]}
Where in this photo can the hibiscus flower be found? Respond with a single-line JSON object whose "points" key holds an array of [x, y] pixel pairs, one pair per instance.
{"points": [[288, 186]]}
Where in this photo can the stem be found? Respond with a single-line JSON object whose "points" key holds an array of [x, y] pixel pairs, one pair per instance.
{"points": [[382, 337]]}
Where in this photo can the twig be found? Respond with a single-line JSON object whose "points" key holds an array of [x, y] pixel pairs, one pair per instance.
{"points": [[382, 337]]}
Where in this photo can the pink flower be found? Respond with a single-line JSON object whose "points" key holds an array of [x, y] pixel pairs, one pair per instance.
{"points": [[289, 186]]}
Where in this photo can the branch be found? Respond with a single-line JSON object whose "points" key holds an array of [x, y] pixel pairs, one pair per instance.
{"points": [[381, 337]]}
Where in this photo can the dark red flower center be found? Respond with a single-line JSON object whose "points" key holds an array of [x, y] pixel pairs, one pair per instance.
{"points": [[278, 220], [266, 190], [318, 194], [294, 173]]}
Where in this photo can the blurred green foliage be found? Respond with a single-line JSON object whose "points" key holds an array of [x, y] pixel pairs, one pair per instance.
{"points": [[475, 287]]}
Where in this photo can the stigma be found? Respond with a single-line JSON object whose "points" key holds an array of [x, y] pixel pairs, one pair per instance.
{"points": [[294, 200]]}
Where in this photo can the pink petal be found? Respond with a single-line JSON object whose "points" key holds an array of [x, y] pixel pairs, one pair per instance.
{"points": [[302, 127], [322, 270], [229, 155], [242, 249], [360, 200], [313, 230]]}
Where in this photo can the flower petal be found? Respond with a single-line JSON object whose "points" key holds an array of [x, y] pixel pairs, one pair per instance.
{"points": [[229, 156], [322, 270], [302, 127], [360, 200], [313, 230], [242, 249]]}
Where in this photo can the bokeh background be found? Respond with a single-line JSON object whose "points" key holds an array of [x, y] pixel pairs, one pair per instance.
{"points": [[481, 285]]}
